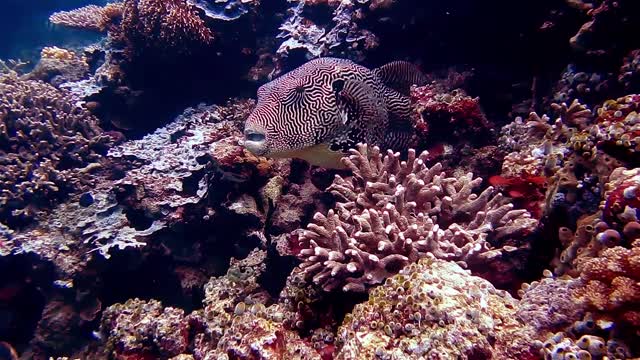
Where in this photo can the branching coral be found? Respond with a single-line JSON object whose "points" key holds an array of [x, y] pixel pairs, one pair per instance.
{"points": [[393, 212], [45, 142], [90, 17], [163, 26]]}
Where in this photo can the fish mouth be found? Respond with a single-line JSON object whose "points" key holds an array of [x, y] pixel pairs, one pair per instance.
{"points": [[256, 142]]}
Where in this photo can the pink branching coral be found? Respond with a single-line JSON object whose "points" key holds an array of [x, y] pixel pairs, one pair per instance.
{"points": [[90, 17], [393, 212]]}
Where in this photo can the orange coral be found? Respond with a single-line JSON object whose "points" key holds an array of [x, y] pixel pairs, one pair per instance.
{"points": [[613, 282]]}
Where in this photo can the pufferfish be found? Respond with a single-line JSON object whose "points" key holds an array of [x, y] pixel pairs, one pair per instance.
{"points": [[320, 110]]}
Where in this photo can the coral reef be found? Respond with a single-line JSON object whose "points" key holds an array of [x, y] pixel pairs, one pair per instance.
{"points": [[187, 246], [340, 37], [144, 329], [434, 309], [58, 66], [49, 146], [392, 212], [156, 177], [612, 287]]}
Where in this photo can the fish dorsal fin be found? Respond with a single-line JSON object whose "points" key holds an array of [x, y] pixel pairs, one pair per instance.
{"points": [[400, 75], [364, 116], [356, 99]]}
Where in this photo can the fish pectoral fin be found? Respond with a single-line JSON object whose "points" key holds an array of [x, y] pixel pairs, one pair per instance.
{"points": [[400, 75], [358, 102]]}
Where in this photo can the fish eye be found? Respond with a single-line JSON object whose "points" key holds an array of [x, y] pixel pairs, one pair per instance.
{"points": [[337, 85], [299, 89]]}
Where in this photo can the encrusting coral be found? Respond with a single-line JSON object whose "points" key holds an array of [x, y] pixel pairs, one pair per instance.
{"points": [[435, 310], [391, 212]]}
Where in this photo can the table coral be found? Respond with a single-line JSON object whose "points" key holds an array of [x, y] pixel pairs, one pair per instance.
{"points": [[434, 309], [45, 143], [90, 17], [392, 212]]}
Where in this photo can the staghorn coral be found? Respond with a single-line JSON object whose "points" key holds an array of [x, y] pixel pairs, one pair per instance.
{"points": [[435, 310], [393, 212], [48, 146], [90, 17], [163, 27]]}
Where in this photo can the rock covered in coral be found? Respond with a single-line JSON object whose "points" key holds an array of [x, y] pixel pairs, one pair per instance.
{"points": [[448, 116], [435, 310], [144, 329], [391, 212], [58, 66], [549, 304], [226, 297], [48, 147], [612, 284]]}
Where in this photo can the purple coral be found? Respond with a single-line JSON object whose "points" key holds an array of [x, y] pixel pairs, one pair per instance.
{"points": [[392, 212]]}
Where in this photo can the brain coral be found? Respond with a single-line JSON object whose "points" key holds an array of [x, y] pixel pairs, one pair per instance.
{"points": [[393, 212], [45, 143]]}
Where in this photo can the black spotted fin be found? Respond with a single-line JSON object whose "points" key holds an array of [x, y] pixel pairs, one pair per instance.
{"points": [[400, 75]]}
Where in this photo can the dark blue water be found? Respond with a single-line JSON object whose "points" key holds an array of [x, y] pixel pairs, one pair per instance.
{"points": [[25, 27]]}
